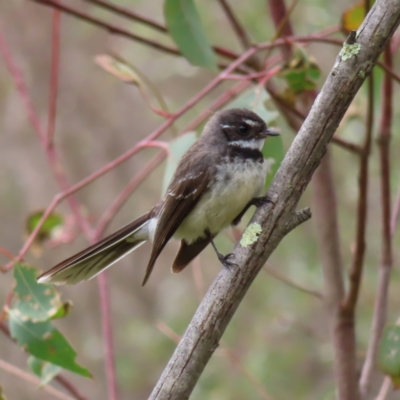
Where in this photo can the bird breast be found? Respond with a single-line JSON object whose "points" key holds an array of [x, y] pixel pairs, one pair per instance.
{"points": [[235, 184]]}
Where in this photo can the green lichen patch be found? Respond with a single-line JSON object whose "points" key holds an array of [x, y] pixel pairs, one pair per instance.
{"points": [[250, 235], [349, 50]]}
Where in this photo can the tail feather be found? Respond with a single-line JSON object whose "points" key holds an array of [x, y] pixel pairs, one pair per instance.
{"points": [[93, 260]]}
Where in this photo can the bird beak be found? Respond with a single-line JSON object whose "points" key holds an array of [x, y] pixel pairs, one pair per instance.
{"points": [[271, 132]]}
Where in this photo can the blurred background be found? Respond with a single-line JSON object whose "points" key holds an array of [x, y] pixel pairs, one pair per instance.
{"points": [[279, 337]]}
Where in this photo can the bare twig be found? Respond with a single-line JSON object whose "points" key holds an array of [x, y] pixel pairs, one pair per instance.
{"points": [[385, 389], [222, 51], [124, 195], [11, 369], [396, 213], [385, 267], [107, 335], [114, 29], [130, 14], [51, 154], [359, 252], [283, 278], [55, 64], [236, 25]]}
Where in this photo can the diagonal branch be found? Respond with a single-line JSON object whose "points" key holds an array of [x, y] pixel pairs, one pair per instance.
{"points": [[229, 288]]}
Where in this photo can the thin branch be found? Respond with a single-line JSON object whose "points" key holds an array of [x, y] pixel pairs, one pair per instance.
{"points": [[116, 30], [11, 369], [50, 153], [109, 27], [385, 267], [396, 213], [130, 14], [385, 389], [126, 192], [236, 25], [283, 278], [222, 51], [55, 67], [106, 327], [362, 208], [64, 382]]}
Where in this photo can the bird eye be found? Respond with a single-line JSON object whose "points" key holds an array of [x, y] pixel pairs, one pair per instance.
{"points": [[243, 128]]}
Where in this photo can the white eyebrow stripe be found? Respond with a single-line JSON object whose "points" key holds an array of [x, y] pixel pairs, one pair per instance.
{"points": [[251, 122], [226, 126]]}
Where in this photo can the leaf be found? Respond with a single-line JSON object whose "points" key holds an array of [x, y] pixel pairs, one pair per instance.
{"points": [[44, 370], [44, 341], [178, 148], [353, 17], [37, 302], [128, 73], [2, 395], [301, 72], [51, 228], [389, 354], [187, 31], [274, 152]]}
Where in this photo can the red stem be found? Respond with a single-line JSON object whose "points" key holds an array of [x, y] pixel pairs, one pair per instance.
{"points": [[55, 64], [106, 325]]}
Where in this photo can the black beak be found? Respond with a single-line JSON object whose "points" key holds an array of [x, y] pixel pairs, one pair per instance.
{"points": [[271, 132]]}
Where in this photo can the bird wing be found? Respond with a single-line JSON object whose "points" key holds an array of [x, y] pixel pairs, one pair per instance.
{"points": [[182, 196]]}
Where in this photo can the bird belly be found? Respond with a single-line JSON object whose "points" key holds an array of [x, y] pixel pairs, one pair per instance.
{"points": [[235, 185]]}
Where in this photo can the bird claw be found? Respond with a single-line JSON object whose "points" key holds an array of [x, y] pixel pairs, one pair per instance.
{"points": [[226, 262], [260, 201]]}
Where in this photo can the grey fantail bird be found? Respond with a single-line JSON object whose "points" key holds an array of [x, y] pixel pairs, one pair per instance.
{"points": [[216, 181]]}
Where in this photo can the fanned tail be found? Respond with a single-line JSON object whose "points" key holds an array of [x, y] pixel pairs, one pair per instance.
{"points": [[93, 260]]}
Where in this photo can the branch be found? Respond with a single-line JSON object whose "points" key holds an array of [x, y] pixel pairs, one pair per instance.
{"points": [[385, 267], [236, 25], [227, 291], [362, 207]]}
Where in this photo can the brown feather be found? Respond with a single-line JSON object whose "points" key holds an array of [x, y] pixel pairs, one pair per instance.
{"points": [[187, 252]]}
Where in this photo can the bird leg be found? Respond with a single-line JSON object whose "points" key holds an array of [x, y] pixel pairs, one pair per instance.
{"points": [[257, 202], [224, 260]]}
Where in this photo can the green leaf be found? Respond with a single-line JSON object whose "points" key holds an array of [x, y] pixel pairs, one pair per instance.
{"points": [[274, 152], [44, 370], [353, 17], [37, 302], [187, 31], [301, 72], [177, 148], [50, 228], [389, 354], [2, 395], [44, 341]]}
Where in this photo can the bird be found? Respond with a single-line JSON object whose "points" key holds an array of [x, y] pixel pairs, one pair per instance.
{"points": [[216, 181]]}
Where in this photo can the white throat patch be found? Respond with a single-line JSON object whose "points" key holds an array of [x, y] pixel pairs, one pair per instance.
{"points": [[255, 144]]}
